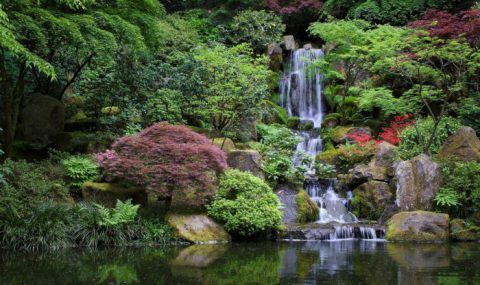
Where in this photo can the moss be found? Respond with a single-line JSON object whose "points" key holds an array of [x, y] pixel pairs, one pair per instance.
{"points": [[462, 231], [197, 228], [339, 133], [107, 194], [331, 119], [305, 125], [307, 210], [112, 110], [275, 114], [397, 230], [329, 156], [225, 144], [292, 122]]}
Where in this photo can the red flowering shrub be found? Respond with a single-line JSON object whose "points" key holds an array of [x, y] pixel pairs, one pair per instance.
{"points": [[164, 157], [290, 7], [449, 26], [400, 123]]}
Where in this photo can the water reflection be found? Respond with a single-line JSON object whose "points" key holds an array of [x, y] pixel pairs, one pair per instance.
{"points": [[344, 262]]}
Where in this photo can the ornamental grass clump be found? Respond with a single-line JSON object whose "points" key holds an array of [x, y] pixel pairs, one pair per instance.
{"points": [[165, 157]]}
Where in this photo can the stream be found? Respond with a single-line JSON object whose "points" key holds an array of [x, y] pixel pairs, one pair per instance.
{"points": [[321, 262]]}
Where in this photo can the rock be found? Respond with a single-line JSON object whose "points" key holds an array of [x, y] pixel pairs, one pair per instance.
{"points": [[316, 231], [111, 110], [42, 119], [464, 145], [417, 181], [362, 173], [328, 156], [274, 114], [107, 194], [331, 120], [197, 228], [189, 199], [305, 125], [288, 197], [246, 160], [275, 53], [459, 230], [307, 46], [385, 157], [293, 122], [225, 144], [289, 43], [418, 226], [307, 210], [297, 205], [370, 199]]}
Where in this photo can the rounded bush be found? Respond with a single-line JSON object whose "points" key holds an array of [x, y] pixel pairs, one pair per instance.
{"points": [[245, 204]]}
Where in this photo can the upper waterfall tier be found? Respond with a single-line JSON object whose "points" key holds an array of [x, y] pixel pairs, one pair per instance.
{"points": [[301, 86]]}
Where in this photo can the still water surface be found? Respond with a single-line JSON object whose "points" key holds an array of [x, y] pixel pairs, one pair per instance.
{"points": [[341, 262]]}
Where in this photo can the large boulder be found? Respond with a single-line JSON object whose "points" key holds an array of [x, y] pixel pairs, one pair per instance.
{"points": [[371, 199], [289, 43], [464, 145], [385, 157], [246, 160], [107, 194], [418, 226], [298, 207], [42, 119], [275, 53], [417, 180], [362, 173], [197, 228]]}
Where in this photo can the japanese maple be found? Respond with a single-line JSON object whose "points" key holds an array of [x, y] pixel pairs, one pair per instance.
{"points": [[293, 6], [164, 157]]}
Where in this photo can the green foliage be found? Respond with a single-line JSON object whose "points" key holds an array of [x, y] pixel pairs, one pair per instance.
{"points": [[163, 105], [245, 204], [460, 193], [353, 153], [79, 170], [96, 225], [325, 171], [277, 148], [156, 232], [469, 110], [232, 85], [414, 138], [257, 28]]}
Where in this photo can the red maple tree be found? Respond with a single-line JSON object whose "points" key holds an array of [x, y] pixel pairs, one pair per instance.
{"points": [[444, 25], [290, 7], [165, 157]]}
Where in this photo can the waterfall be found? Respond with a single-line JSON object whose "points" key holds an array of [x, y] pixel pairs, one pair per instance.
{"points": [[301, 95]]}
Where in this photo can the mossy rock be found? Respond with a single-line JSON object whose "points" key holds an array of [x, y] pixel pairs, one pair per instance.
{"points": [[248, 145], [370, 199], [461, 231], [107, 194], [225, 144], [307, 210], [110, 110], [306, 125], [331, 120], [418, 226], [293, 122], [339, 134], [274, 114], [329, 156], [197, 228]]}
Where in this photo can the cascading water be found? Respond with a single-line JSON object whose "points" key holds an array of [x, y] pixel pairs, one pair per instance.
{"points": [[301, 95]]}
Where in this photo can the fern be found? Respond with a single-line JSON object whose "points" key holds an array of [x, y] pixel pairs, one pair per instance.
{"points": [[447, 198]]}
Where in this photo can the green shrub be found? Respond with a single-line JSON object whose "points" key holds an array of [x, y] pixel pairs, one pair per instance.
{"points": [[325, 171], [413, 142], [245, 204], [460, 194], [258, 28], [156, 232], [96, 225], [45, 226], [80, 169]]}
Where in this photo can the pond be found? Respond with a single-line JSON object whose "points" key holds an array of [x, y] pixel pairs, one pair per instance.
{"points": [[339, 262]]}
